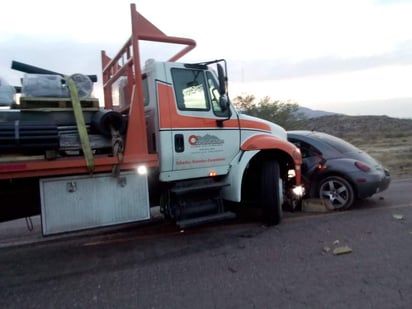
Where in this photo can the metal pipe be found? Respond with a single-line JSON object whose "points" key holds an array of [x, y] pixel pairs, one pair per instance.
{"points": [[27, 68]]}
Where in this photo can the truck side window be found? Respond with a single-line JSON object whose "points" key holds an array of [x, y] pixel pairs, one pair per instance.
{"points": [[145, 91], [189, 86]]}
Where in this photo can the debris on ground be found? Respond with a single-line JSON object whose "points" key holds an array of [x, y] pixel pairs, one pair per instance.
{"points": [[342, 250], [326, 249], [398, 216], [337, 250], [314, 205]]}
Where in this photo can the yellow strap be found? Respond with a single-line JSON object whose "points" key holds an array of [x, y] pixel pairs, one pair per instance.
{"points": [[81, 126]]}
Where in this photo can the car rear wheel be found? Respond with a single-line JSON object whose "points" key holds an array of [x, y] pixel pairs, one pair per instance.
{"points": [[336, 193]]}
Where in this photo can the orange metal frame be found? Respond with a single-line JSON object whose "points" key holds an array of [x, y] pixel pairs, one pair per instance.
{"points": [[125, 63]]}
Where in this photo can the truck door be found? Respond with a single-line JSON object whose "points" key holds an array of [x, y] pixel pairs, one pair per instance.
{"points": [[201, 139]]}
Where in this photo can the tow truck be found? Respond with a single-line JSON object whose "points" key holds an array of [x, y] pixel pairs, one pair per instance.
{"points": [[167, 135]]}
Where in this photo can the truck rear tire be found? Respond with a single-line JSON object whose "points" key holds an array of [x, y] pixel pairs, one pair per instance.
{"points": [[271, 193]]}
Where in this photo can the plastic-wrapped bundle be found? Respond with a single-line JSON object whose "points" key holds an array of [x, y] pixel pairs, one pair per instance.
{"points": [[49, 85], [7, 93], [84, 85], [43, 85]]}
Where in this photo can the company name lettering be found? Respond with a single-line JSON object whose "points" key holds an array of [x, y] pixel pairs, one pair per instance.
{"points": [[180, 162]]}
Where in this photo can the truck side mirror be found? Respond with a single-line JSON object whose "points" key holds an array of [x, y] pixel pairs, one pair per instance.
{"points": [[224, 102], [222, 79], [223, 98]]}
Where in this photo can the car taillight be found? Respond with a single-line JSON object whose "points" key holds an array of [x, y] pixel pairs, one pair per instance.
{"points": [[362, 166]]}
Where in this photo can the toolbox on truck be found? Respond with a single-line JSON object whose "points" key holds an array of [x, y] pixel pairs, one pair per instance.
{"points": [[81, 202]]}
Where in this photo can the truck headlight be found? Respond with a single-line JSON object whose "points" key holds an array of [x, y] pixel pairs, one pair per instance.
{"points": [[298, 191], [142, 170]]}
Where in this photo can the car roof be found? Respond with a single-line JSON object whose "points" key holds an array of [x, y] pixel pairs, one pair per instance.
{"points": [[307, 133], [323, 141]]}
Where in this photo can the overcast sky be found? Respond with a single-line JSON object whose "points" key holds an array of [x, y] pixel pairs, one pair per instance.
{"points": [[322, 54]]}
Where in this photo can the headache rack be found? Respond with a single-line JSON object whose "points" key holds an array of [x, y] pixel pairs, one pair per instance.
{"points": [[126, 64]]}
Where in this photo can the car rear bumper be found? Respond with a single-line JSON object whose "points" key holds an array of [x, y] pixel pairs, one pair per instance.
{"points": [[373, 184]]}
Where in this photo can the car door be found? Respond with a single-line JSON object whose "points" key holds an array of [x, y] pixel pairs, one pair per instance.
{"points": [[311, 156]]}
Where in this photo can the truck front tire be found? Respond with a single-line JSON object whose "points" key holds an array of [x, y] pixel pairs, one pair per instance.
{"points": [[271, 193]]}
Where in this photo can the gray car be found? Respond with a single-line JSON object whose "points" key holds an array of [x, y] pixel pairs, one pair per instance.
{"points": [[337, 171]]}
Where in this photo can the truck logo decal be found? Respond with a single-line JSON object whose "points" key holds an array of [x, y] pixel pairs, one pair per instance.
{"points": [[196, 140]]}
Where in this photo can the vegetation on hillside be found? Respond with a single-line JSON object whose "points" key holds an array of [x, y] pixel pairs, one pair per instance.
{"points": [[282, 113]]}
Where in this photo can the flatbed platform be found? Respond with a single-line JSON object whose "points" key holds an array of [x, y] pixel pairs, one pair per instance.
{"points": [[55, 104]]}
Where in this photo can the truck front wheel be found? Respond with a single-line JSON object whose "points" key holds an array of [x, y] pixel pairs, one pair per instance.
{"points": [[271, 193]]}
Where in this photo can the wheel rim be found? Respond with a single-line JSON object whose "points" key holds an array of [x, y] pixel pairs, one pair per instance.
{"points": [[335, 193]]}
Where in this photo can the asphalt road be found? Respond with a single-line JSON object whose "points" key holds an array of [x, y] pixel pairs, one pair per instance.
{"points": [[241, 264]]}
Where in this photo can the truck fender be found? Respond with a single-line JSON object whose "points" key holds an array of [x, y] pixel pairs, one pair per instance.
{"points": [[250, 148], [235, 176], [266, 141]]}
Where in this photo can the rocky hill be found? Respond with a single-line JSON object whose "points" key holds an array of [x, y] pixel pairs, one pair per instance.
{"points": [[357, 126], [306, 112]]}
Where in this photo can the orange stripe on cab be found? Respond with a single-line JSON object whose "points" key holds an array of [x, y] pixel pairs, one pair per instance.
{"points": [[256, 125]]}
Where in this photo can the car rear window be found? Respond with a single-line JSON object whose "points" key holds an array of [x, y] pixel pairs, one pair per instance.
{"points": [[338, 143]]}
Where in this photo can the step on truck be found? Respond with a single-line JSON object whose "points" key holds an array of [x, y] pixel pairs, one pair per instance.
{"points": [[166, 136]]}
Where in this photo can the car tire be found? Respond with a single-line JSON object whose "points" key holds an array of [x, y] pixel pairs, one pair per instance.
{"points": [[336, 192], [271, 193]]}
